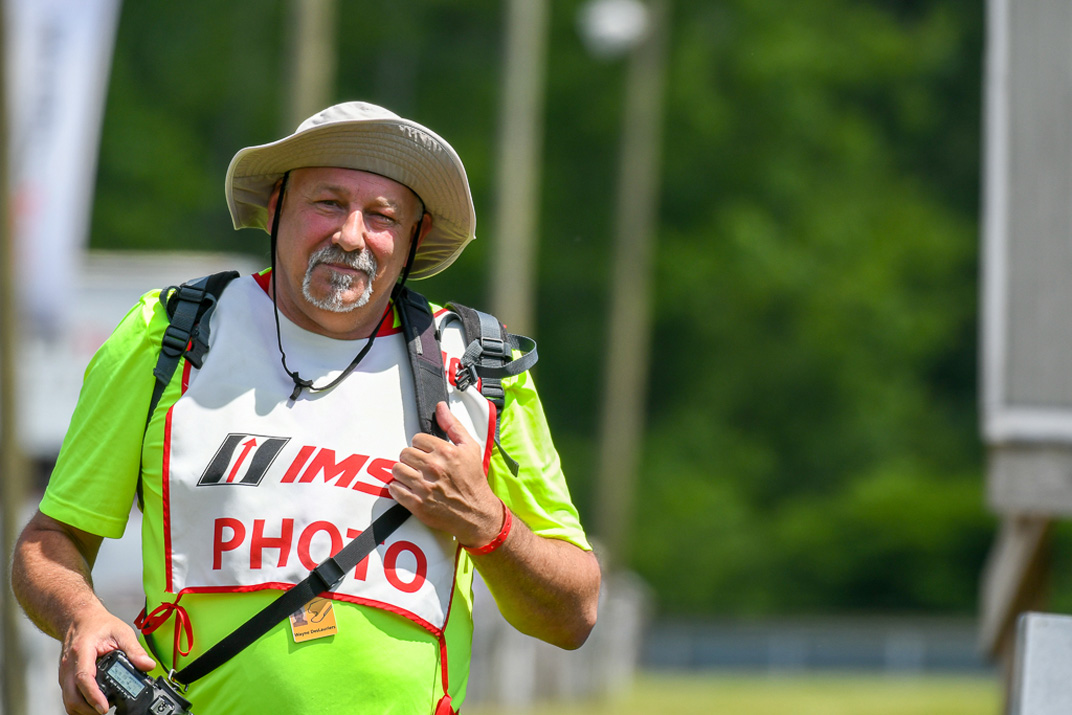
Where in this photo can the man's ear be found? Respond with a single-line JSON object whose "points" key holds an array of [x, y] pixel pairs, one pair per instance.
{"points": [[272, 199], [426, 226]]}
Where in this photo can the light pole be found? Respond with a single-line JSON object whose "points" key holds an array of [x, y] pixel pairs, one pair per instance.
{"points": [[616, 26], [513, 252], [314, 58]]}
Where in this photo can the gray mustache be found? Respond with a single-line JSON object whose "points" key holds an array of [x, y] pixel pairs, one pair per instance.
{"points": [[362, 260]]}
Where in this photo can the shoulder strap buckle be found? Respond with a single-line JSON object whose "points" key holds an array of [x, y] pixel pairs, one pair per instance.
{"points": [[328, 573], [174, 341]]}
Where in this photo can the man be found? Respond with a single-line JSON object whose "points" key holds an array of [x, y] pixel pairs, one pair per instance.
{"points": [[291, 438]]}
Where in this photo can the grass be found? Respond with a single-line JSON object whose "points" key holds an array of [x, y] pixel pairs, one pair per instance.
{"points": [[810, 694]]}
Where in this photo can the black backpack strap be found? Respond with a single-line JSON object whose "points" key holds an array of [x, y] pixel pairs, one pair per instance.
{"points": [[189, 308], [425, 357], [489, 358]]}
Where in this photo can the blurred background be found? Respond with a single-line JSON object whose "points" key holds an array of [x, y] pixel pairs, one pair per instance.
{"points": [[747, 237]]}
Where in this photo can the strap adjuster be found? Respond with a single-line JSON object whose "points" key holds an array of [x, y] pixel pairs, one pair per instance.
{"points": [[494, 347], [329, 573], [174, 341], [190, 293], [465, 376]]}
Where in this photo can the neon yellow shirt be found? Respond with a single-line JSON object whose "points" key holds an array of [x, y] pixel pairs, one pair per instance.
{"points": [[378, 661]]}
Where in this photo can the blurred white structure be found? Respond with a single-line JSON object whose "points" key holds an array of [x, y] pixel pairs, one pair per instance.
{"points": [[106, 288], [611, 28], [1027, 302], [58, 59], [1040, 683]]}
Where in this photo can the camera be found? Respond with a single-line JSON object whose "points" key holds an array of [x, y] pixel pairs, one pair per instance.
{"points": [[132, 692]]}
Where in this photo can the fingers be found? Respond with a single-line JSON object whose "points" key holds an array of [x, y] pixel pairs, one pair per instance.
{"points": [[450, 424], [456, 432], [457, 436], [403, 495], [89, 693], [85, 643], [78, 682], [141, 660], [444, 483]]}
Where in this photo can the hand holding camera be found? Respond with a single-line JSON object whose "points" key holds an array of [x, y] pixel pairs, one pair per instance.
{"points": [[132, 692]]}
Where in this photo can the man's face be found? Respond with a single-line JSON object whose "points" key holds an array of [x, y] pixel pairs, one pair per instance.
{"points": [[344, 237]]}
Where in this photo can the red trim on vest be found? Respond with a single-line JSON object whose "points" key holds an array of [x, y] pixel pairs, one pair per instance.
{"points": [[165, 481], [489, 443], [444, 707], [264, 281], [341, 597]]}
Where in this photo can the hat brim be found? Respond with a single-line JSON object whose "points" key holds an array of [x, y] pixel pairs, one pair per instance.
{"points": [[396, 148]]}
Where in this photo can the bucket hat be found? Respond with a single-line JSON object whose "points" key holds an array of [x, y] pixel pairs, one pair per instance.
{"points": [[365, 137]]}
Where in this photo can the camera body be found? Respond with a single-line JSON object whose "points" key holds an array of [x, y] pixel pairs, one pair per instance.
{"points": [[132, 692]]}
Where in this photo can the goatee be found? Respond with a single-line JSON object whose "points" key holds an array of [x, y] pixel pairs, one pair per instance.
{"points": [[339, 284]]}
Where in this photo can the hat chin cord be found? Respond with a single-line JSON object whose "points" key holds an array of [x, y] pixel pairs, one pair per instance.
{"points": [[301, 383]]}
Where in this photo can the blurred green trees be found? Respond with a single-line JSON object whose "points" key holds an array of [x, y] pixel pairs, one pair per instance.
{"points": [[821, 257], [812, 438]]}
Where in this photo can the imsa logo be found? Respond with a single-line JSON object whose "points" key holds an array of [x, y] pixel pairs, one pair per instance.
{"points": [[242, 459]]}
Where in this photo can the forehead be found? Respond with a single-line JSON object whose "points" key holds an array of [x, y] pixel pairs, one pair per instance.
{"points": [[353, 182]]}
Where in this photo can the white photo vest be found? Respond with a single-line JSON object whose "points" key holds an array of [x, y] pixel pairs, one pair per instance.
{"points": [[257, 490]]}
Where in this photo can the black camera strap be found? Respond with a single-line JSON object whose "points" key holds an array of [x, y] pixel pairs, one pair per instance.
{"points": [[320, 580]]}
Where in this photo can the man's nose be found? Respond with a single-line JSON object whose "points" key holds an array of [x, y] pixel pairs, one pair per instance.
{"points": [[351, 235]]}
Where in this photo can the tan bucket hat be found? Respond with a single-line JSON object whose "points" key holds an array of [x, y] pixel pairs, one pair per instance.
{"points": [[365, 137]]}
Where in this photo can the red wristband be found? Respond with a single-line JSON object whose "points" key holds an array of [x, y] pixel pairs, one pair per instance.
{"points": [[508, 521]]}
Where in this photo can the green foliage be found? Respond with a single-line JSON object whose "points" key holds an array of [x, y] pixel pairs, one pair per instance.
{"points": [[815, 348], [185, 81], [812, 440]]}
